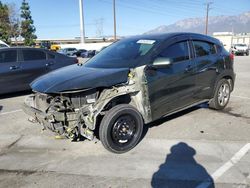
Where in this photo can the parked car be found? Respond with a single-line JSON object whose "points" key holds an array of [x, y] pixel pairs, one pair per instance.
{"points": [[79, 52], [240, 49], [91, 53], [88, 54], [67, 51], [3, 45], [20, 66], [133, 82]]}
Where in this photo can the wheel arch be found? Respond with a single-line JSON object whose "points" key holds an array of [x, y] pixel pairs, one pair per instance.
{"points": [[127, 98], [230, 80], [228, 75]]}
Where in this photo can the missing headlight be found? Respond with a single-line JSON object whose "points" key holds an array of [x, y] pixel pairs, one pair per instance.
{"points": [[91, 98]]}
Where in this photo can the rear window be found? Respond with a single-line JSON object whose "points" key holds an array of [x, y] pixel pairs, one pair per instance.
{"points": [[31, 55], [203, 48], [8, 56]]}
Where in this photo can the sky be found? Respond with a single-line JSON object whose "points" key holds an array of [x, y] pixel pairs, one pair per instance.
{"points": [[60, 18]]}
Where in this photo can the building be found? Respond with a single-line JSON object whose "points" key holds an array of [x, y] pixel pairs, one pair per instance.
{"points": [[229, 38]]}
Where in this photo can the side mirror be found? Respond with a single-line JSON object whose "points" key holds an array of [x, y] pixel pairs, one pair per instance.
{"points": [[162, 62]]}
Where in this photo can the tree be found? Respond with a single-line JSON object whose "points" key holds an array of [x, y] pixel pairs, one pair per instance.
{"points": [[5, 28], [14, 18], [27, 25]]}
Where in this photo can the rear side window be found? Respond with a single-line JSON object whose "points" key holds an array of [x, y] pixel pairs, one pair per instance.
{"points": [[176, 52], [203, 48], [221, 49], [8, 56], [31, 55]]}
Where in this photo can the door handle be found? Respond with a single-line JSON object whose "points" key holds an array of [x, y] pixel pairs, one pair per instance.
{"points": [[188, 68], [48, 64], [14, 67]]}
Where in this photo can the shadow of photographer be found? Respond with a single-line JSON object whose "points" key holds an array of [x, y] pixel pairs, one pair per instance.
{"points": [[181, 170]]}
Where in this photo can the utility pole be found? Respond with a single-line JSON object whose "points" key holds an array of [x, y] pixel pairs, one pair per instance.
{"points": [[82, 31], [114, 12], [208, 8]]}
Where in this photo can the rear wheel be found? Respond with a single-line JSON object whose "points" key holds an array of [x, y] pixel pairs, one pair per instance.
{"points": [[221, 95], [121, 128]]}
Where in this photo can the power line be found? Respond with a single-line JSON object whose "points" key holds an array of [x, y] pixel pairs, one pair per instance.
{"points": [[99, 27], [140, 9]]}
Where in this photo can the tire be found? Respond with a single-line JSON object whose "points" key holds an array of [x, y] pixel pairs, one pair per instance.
{"points": [[247, 54], [221, 95], [121, 128]]}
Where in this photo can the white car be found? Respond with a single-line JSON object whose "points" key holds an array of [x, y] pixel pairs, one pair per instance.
{"points": [[67, 51], [3, 45], [240, 49]]}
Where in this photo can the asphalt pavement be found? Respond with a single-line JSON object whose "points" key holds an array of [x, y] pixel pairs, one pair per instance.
{"points": [[198, 147]]}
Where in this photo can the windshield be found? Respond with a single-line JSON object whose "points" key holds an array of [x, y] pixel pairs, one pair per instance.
{"points": [[126, 53], [71, 49]]}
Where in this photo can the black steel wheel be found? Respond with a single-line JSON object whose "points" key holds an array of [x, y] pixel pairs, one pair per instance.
{"points": [[121, 128]]}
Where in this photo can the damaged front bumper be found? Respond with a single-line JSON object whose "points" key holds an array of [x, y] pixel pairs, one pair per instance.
{"points": [[64, 123], [29, 108]]}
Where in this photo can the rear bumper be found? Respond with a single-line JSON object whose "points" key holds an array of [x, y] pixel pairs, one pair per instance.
{"points": [[241, 51]]}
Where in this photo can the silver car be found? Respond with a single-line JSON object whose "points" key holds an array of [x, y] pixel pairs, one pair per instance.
{"points": [[240, 49], [67, 51]]}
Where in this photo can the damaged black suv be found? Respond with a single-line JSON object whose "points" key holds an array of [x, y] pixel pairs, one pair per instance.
{"points": [[131, 83]]}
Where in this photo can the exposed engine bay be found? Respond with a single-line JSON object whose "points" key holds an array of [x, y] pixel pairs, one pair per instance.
{"points": [[73, 114]]}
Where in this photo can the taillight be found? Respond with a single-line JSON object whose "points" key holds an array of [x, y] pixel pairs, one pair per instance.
{"points": [[231, 56]]}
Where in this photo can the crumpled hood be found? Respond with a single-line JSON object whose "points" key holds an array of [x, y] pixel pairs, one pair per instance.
{"points": [[75, 77]]}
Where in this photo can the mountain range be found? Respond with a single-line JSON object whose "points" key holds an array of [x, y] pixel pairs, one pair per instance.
{"points": [[237, 24]]}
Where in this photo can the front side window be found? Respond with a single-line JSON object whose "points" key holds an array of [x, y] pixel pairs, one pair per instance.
{"points": [[176, 52], [31, 55], [203, 48], [8, 56]]}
